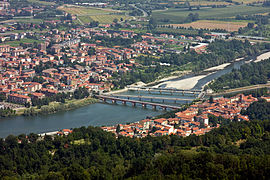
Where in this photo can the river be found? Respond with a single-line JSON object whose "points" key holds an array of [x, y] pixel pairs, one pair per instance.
{"points": [[95, 114]]}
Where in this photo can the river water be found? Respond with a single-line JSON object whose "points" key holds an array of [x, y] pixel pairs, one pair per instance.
{"points": [[95, 114]]}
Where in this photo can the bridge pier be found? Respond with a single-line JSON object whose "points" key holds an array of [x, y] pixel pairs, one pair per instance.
{"points": [[114, 100]]}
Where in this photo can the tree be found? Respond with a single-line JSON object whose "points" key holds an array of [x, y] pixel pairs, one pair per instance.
{"points": [[250, 25], [2, 97], [211, 99], [115, 20], [152, 23], [118, 129]]}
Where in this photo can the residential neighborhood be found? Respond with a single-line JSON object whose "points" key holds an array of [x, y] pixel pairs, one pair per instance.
{"points": [[64, 61], [194, 120]]}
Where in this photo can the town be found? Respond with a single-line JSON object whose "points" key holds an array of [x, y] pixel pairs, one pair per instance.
{"points": [[58, 60], [196, 119], [68, 60]]}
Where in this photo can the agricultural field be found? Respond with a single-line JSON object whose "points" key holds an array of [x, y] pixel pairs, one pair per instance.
{"points": [[204, 3], [162, 30], [41, 2], [87, 14], [222, 2], [105, 19], [213, 24], [23, 20], [17, 43], [248, 1], [84, 11], [178, 15]]}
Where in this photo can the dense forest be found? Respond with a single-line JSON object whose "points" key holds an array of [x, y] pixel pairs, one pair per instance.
{"points": [[238, 150], [248, 74]]}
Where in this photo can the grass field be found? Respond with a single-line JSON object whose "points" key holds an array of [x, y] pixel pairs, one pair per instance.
{"points": [[176, 31], [192, 2], [81, 142], [87, 14], [204, 3], [213, 24], [104, 19], [83, 11], [248, 1], [17, 43], [41, 2], [24, 20], [179, 15]]}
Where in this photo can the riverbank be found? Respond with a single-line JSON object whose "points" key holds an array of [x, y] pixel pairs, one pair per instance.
{"points": [[262, 57], [54, 107]]}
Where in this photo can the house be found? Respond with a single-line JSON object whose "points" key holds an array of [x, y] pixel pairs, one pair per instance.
{"points": [[19, 99]]}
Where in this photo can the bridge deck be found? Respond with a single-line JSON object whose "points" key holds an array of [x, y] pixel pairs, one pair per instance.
{"points": [[153, 97], [139, 102], [163, 89]]}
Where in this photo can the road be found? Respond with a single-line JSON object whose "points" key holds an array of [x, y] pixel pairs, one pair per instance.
{"points": [[151, 97], [241, 89], [145, 14], [143, 103]]}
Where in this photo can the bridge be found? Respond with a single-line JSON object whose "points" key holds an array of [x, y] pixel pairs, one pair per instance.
{"points": [[160, 90], [151, 98], [134, 102]]}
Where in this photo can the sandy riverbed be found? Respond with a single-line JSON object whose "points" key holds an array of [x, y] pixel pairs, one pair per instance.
{"points": [[186, 84], [216, 68], [262, 57]]}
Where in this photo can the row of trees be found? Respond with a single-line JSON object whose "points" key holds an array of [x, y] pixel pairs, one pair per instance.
{"points": [[248, 74]]}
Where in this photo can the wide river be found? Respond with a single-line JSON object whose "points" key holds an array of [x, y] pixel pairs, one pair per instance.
{"points": [[95, 114]]}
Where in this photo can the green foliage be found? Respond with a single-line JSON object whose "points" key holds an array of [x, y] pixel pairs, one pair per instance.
{"points": [[258, 110], [7, 112], [81, 93], [237, 150], [248, 74]]}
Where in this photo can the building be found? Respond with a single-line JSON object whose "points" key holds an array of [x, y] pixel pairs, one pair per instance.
{"points": [[19, 99]]}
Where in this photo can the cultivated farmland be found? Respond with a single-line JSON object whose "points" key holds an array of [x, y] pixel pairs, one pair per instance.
{"points": [[179, 15], [212, 24], [83, 11], [87, 14], [105, 19]]}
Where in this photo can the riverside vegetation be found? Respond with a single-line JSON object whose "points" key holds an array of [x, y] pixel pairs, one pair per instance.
{"points": [[54, 107], [221, 52], [248, 74], [237, 150], [58, 102]]}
